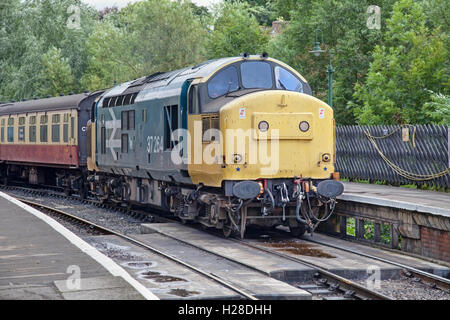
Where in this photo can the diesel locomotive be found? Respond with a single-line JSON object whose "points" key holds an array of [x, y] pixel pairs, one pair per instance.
{"points": [[227, 143]]}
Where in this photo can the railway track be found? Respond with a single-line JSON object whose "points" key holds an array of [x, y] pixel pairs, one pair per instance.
{"points": [[106, 231], [345, 288], [341, 288], [431, 279]]}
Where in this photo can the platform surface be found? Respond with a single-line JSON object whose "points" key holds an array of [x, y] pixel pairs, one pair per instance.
{"points": [[432, 202], [38, 262]]}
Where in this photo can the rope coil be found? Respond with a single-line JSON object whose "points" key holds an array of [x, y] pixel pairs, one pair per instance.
{"points": [[404, 173]]}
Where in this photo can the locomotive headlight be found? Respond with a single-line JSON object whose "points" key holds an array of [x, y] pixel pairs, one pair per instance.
{"points": [[326, 157], [304, 126], [263, 126]]}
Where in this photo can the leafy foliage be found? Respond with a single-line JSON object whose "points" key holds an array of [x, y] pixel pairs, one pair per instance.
{"points": [[412, 61], [236, 30], [56, 75], [396, 74]]}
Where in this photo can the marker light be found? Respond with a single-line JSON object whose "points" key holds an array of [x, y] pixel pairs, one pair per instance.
{"points": [[304, 126], [263, 126]]}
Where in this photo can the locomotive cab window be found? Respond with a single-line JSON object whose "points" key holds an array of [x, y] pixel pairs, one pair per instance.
{"points": [[287, 81], [170, 125], [194, 105], [256, 74], [224, 82]]}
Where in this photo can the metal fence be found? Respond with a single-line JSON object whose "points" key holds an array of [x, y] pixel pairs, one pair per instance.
{"points": [[395, 154]]}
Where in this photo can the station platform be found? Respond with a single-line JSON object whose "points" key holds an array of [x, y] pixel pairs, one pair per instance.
{"points": [[432, 202], [41, 260]]}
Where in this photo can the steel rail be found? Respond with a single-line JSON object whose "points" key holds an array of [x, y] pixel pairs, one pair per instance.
{"points": [[440, 282], [360, 291], [224, 283]]}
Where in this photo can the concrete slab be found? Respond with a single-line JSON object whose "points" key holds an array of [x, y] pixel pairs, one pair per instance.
{"points": [[29, 293], [258, 283], [268, 264], [164, 278], [414, 262], [96, 283], [437, 203], [345, 264], [36, 252], [103, 294]]}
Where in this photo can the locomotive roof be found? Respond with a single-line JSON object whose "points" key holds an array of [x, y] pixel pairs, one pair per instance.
{"points": [[157, 85], [47, 104]]}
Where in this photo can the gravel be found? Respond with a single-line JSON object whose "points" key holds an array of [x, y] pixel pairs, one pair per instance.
{"points": [[410, 289], [115, 220]]}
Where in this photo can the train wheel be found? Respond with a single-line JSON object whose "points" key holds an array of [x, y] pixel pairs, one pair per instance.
{"points": [[298, 231]]}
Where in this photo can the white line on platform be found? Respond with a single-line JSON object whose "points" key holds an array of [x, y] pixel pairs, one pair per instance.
{"points": [[105, 261]]}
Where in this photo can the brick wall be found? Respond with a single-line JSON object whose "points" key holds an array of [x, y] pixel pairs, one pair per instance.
{"points": [[435, 243]]}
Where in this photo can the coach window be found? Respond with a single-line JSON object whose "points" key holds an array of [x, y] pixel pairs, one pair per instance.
{"points": [[43, 129], [32, 130], [72, 127], [55, 127], [11, 130], [21, 135], [3, 131], [66, 128]]}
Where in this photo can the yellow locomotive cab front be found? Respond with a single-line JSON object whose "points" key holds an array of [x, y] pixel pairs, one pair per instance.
{"points": [[269, 135]]}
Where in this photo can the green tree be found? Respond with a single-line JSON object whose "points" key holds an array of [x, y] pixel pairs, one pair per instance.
{"points": [[236, 30], [345, 32], [28, 29], [56, 75], [144, 38], [412, 61], [110, 59]]}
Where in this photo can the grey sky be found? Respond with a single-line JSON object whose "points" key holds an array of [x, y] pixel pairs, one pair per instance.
{"points": [[100, 4]]}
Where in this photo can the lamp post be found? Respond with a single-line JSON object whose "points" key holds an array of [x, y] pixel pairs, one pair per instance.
{"points": [[317, 51]]}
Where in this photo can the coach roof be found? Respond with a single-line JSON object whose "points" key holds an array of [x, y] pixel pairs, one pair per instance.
{"points": [[47, 104]]}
